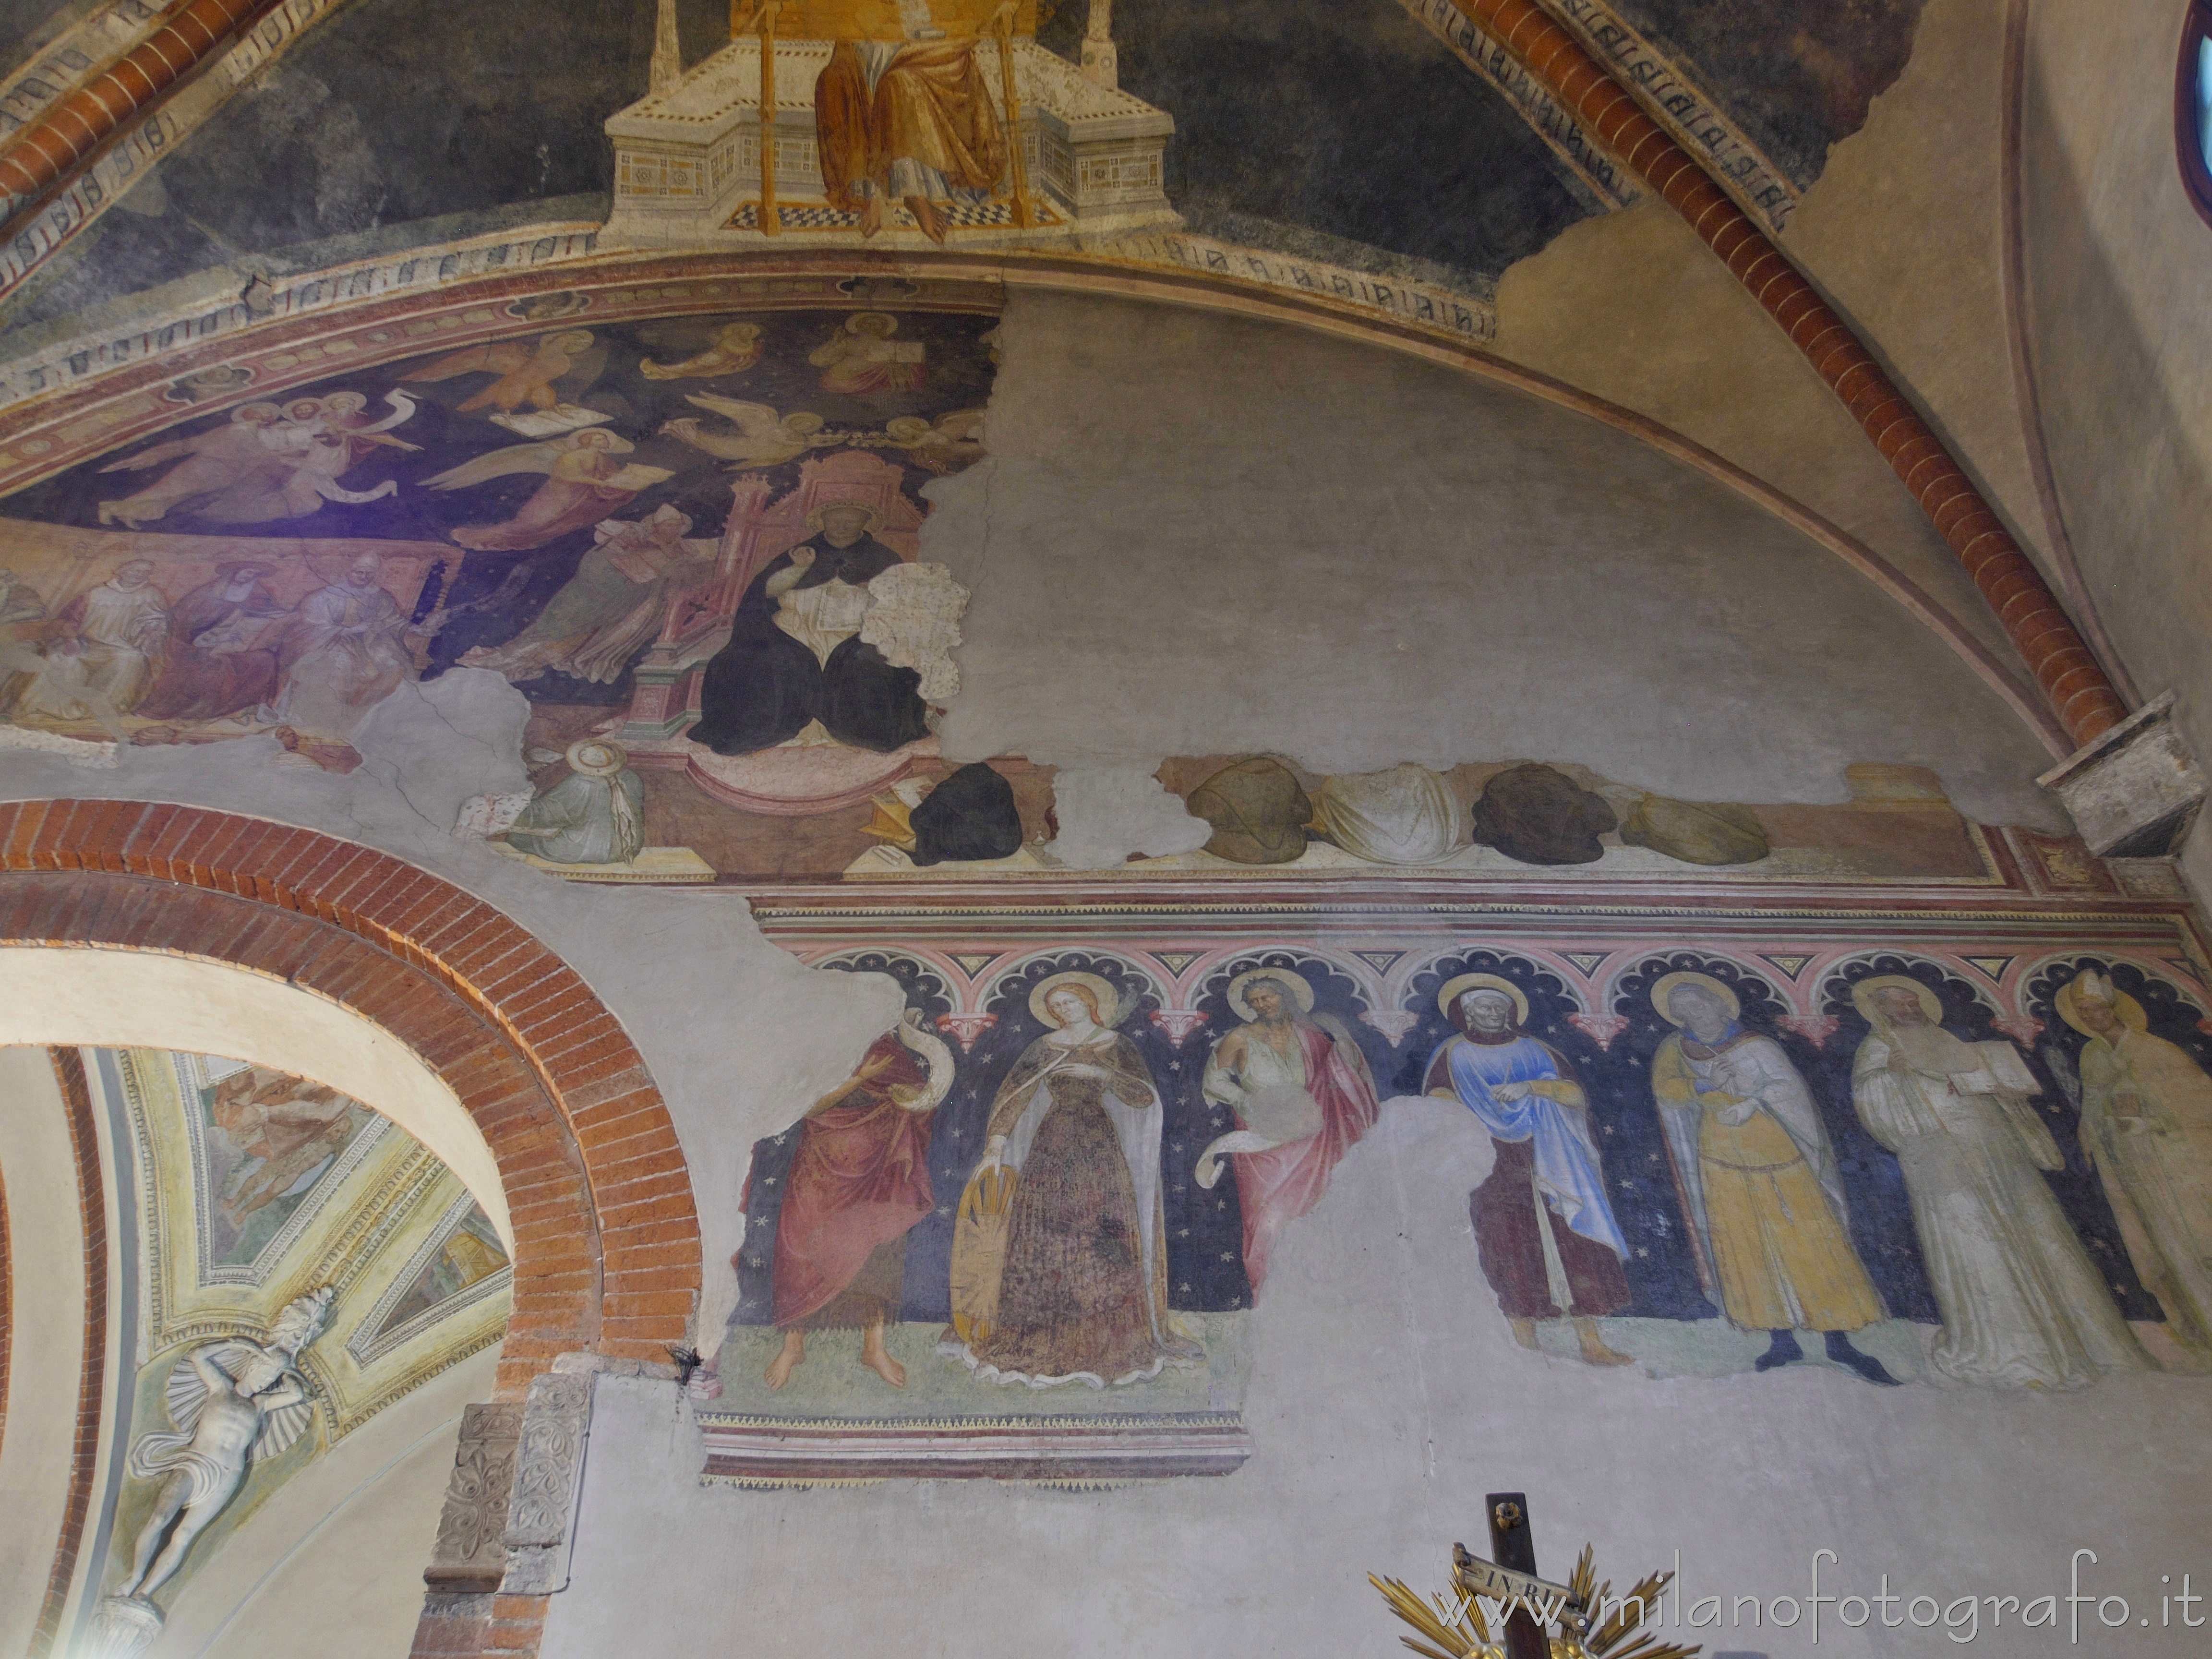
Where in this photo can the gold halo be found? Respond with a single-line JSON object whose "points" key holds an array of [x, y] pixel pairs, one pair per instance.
{"points": [[1448, 997], [1299, 986], [604, 769], [1109, 998], [1672, 982], [875, 518], [2129, 1011], [1863, 996]]}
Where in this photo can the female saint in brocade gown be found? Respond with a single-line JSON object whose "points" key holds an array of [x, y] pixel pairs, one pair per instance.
{"points": [[1082, 1295]]}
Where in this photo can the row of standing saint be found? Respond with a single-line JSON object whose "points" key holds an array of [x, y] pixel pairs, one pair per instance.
{"points": [[1059, 1263]]}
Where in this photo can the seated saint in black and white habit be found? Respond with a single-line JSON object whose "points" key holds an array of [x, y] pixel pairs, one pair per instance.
{"points": [[795, 663]]}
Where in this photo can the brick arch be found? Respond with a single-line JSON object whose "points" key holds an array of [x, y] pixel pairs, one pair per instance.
{"points": [[606, 1240]]}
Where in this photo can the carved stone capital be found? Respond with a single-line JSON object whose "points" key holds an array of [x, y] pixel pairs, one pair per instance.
{"points": [[2134, 792], [549, 1472], [469, 1555]]}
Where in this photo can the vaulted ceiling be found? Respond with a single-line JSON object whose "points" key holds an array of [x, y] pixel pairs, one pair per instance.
{"points": [[1346, 129]]}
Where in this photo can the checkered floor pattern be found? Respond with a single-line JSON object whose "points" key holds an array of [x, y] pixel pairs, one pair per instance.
{"points": [[820, 216]]}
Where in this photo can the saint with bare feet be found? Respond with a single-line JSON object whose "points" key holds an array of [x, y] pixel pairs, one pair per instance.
{"points": [[1544, 1228], [859, 1182]]}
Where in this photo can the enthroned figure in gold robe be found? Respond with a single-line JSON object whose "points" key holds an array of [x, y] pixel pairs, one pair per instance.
{"points": [[1759, 1180], [908, 120]]}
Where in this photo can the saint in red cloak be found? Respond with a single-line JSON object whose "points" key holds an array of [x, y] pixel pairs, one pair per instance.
{"points": [[1301, 1094]]}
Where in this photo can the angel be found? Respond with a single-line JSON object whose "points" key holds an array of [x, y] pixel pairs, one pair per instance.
{"points": [[207, 462], [763, 438], [735, 348], [235, 1402], [954, 442], [527, 375], [861, 356], [317, 442], [584, 484]]}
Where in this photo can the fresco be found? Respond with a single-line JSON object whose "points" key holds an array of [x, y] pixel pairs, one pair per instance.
{"points": [[268, 1147], [291, 1241], [1918, 1152], [464, 1258], [707, 522]]}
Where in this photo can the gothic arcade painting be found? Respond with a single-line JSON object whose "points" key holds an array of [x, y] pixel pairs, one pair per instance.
{"points": [[1039, 1226]]}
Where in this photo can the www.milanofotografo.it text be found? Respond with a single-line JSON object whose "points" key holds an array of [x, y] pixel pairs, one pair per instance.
{"points": [[2087, 1610]]}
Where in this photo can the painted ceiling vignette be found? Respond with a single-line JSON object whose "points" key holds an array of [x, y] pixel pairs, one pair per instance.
{"points": [[2012, 208], [90, 419], [2081, 696], [341, 1262], [109, 149], [92, 1384]]}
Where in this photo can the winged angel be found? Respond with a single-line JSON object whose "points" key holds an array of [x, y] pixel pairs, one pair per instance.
{"points": [[762, 437], [543, 374], [234, 1402], [584, 484]]}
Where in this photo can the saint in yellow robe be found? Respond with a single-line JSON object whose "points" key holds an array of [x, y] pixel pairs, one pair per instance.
{"points": [[1757, 1174]]}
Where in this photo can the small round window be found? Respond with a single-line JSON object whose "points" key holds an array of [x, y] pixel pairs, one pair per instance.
{"points": [[2192, 107]]}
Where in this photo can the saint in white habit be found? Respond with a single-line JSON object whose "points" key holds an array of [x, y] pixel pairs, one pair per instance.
{"points": [[2023, 1305]]}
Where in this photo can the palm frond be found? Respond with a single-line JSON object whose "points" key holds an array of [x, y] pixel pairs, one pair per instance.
{"points": [[1455, 1632]]}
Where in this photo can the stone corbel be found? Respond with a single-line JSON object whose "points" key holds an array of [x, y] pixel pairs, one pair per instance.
{"points": [[548, 1476], [2135, 790], [469, 1557]]}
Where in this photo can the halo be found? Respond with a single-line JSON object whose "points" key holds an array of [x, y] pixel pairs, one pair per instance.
{"points": [[852, 323], [875, 518], [1299, 986], [1454, 989], [2129, 1011], [1669, 984], [607, 768], [1863, 996], [1109, 998]]}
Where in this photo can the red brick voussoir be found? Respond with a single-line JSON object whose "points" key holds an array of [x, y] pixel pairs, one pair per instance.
{"points": [[606, 1238]]}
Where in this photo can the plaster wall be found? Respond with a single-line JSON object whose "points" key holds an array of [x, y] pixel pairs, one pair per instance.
{"points": [[45, 1315], [2122, 290], [332, 1563], [1199, 534], [1901, 233], [1387, 1397]]}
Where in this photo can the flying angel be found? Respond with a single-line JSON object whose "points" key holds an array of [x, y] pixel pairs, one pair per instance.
{"points": [[545, 375], [763, 438], [584, 484], [954, 442]]}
